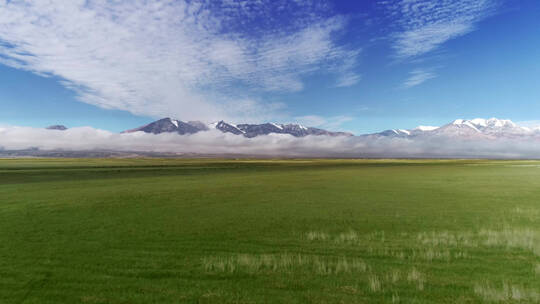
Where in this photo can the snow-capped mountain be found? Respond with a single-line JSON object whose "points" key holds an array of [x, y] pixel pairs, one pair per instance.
{"points": [[168, 125], [459, 128], [478, 127], [297, 130]]}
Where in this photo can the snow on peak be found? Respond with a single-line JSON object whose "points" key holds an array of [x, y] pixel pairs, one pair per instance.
{"points": [[299, 126], [426, 128], [500, 122], [480, 122], [222, 124], [174, 122], [492, 123], [463, 122], [277, 126], [404, 131], [471, 125], [400, 131]]}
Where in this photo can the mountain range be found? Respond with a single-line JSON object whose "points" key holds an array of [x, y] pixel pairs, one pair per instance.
{"points": [[462, 128], [167, 125]]}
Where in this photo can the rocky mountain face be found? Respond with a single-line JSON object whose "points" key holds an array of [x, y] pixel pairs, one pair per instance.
{"points": [[167, 125], [227, 128]]}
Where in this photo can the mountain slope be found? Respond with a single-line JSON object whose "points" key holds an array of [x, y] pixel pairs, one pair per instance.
{"points": [[168, 125], [227, 128]]}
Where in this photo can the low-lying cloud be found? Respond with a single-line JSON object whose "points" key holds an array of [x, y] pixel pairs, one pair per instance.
{"points": [[280, 145]]}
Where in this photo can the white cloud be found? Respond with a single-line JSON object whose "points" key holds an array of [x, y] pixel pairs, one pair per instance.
{"points": [[311, 120], [187, 59], [348, 80], [532, 124], [417, 77], [214, 142], [331, 123], [424, 25]]}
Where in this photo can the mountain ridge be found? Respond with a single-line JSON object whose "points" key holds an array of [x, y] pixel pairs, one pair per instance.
{"points": [[462, 128], [473, 128], [169, 125]]}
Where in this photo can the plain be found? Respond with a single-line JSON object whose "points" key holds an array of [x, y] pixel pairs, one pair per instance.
{"points": [[269, 231]]}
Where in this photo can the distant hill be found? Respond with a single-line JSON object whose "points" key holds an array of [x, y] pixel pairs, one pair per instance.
{"points": [[57, 127]]}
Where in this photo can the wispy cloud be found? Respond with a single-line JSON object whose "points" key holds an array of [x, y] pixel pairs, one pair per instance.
{"points": [[331, 123], [348, 80], [214, 142], [417, 77], [424, 25], [187, 59]]}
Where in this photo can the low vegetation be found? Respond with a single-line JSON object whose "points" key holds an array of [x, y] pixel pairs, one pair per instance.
{"points": [[269, 231]]}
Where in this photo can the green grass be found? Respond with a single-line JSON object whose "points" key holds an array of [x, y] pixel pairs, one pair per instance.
{"points": [[272, 231]]}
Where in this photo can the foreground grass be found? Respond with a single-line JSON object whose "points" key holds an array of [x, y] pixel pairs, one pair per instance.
{"points": [[249, 231]]}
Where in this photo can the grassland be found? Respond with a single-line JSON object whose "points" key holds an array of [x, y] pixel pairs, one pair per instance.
{"points": [[248, 231]]}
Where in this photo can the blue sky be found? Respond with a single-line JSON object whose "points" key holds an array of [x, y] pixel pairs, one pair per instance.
{"points": [[361, 66]]}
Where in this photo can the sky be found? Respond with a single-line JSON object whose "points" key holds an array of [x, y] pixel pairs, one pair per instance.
{"points": [[359, 66]]}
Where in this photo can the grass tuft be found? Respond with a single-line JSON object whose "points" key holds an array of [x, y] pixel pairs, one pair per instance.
{"points": [[317, 236], [506, 292], [511, 238], [395, 298], [526, 239], [259, 263], [416, 277], [374, 283], [394, 276], [350, 236]]}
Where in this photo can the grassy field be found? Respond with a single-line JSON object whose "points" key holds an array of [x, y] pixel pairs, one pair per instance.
{"points": [[299, 231]]}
